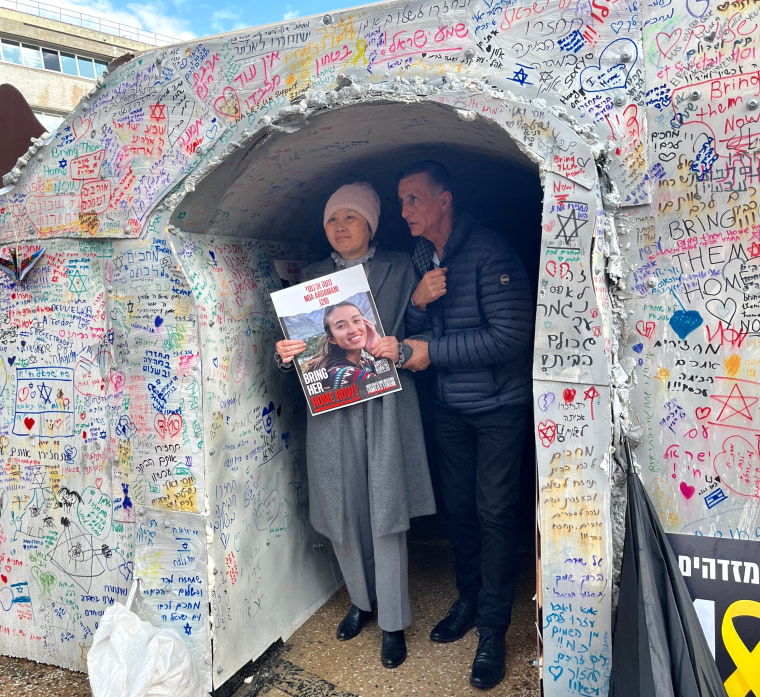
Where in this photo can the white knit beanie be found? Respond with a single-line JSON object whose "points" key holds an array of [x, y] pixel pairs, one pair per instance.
{"points": [[360, 197]]}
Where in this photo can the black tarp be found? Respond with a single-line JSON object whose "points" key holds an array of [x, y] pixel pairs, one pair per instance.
{"points": [[658, 647]]}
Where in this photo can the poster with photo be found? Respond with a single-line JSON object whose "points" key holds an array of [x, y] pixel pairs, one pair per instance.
{"points": [[336, 316]]}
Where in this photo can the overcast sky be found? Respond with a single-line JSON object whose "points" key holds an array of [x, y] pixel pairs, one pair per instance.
{"points": [[188, 19]]}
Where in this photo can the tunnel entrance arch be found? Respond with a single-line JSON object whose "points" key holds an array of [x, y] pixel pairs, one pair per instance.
{"points": [[270, 186], [278, 179]]}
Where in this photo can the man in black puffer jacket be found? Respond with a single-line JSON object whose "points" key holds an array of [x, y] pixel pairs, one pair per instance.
{"points": [[474, 292]]}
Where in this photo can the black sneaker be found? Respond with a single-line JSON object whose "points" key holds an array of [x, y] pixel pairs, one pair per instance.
{"points": [[460, 620]]}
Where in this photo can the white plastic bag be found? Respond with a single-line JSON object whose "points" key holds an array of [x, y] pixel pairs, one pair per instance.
{"points": [[132, 658]]}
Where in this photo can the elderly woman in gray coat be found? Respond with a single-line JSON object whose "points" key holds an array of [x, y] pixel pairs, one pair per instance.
{"points": [[368, 471]]}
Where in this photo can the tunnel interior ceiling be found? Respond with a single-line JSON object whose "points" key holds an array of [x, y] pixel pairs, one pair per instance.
{"points": [[275, 188]]}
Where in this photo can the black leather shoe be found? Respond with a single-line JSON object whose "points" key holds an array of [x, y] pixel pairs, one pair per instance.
{"points": [[459, 621], [488, 666], [394, 649], [352, 623]]}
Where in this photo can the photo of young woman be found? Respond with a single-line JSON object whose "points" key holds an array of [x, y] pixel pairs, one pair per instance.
{"points": [[345, 350]]}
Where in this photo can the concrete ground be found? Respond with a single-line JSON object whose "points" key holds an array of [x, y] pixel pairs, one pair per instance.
{"points": [[312, 663]]}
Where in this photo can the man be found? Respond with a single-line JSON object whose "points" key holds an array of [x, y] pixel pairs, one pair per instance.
{"points": [[474, 291]]}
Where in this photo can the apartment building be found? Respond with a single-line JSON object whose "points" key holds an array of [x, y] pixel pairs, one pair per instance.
{"points": [[54, 56]]}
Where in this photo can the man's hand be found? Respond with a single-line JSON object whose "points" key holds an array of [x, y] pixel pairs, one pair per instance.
{"points": [[289, 348], [431, 287], [387, 347], [420, 358]]}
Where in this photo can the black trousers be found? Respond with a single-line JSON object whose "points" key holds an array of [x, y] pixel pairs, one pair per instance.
{"points": [[479, 460]]}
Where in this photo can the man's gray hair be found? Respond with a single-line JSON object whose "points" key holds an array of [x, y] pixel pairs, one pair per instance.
{"points": [[437, 174]]}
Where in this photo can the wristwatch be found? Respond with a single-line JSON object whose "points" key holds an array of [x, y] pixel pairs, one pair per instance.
{"points": [[404, 353]]}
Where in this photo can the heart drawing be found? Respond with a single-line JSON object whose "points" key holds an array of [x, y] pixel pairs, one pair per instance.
{"points": [[551, 268], [733, 363], [684, 322], [168, 426], [667, 42], [546, 400], [228, 104], [547, 432], [610, 73], [723, 311], [645, 329], [91, 378], [80, 127]]}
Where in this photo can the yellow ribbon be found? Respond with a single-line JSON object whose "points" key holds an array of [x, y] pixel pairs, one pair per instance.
{"points": [[746, 677], [361, 48]]}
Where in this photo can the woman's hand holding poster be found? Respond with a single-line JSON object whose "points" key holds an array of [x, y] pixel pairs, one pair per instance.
{"points": [[335, 316]]}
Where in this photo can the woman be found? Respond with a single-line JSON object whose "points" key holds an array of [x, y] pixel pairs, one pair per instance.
{"points": [[345, 351], [367, 467]]}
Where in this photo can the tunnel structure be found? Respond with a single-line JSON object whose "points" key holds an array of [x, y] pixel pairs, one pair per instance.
{"points": [[146, 433]]}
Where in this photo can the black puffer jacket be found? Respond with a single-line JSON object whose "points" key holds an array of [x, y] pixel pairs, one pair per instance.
{"points": [[483, 326]]}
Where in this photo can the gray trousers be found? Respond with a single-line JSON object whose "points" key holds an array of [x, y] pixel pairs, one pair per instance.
{"points": [[373, 567]]}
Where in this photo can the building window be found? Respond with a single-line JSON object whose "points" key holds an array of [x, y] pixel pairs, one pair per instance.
{"points": [[50, 59], [11, 52], [49, 121], [31, 55], [85, 67], [69, 64]]}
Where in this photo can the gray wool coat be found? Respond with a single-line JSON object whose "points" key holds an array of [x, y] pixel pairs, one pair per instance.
{"points": [[399, 479]]}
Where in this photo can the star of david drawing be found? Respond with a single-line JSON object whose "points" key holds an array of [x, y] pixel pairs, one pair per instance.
{"points": [[591, 393], [157, 111], [735, 397], [546, 75], [77, 283], [520, 76], [45, 393], [547, 432], [567, 235]]}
